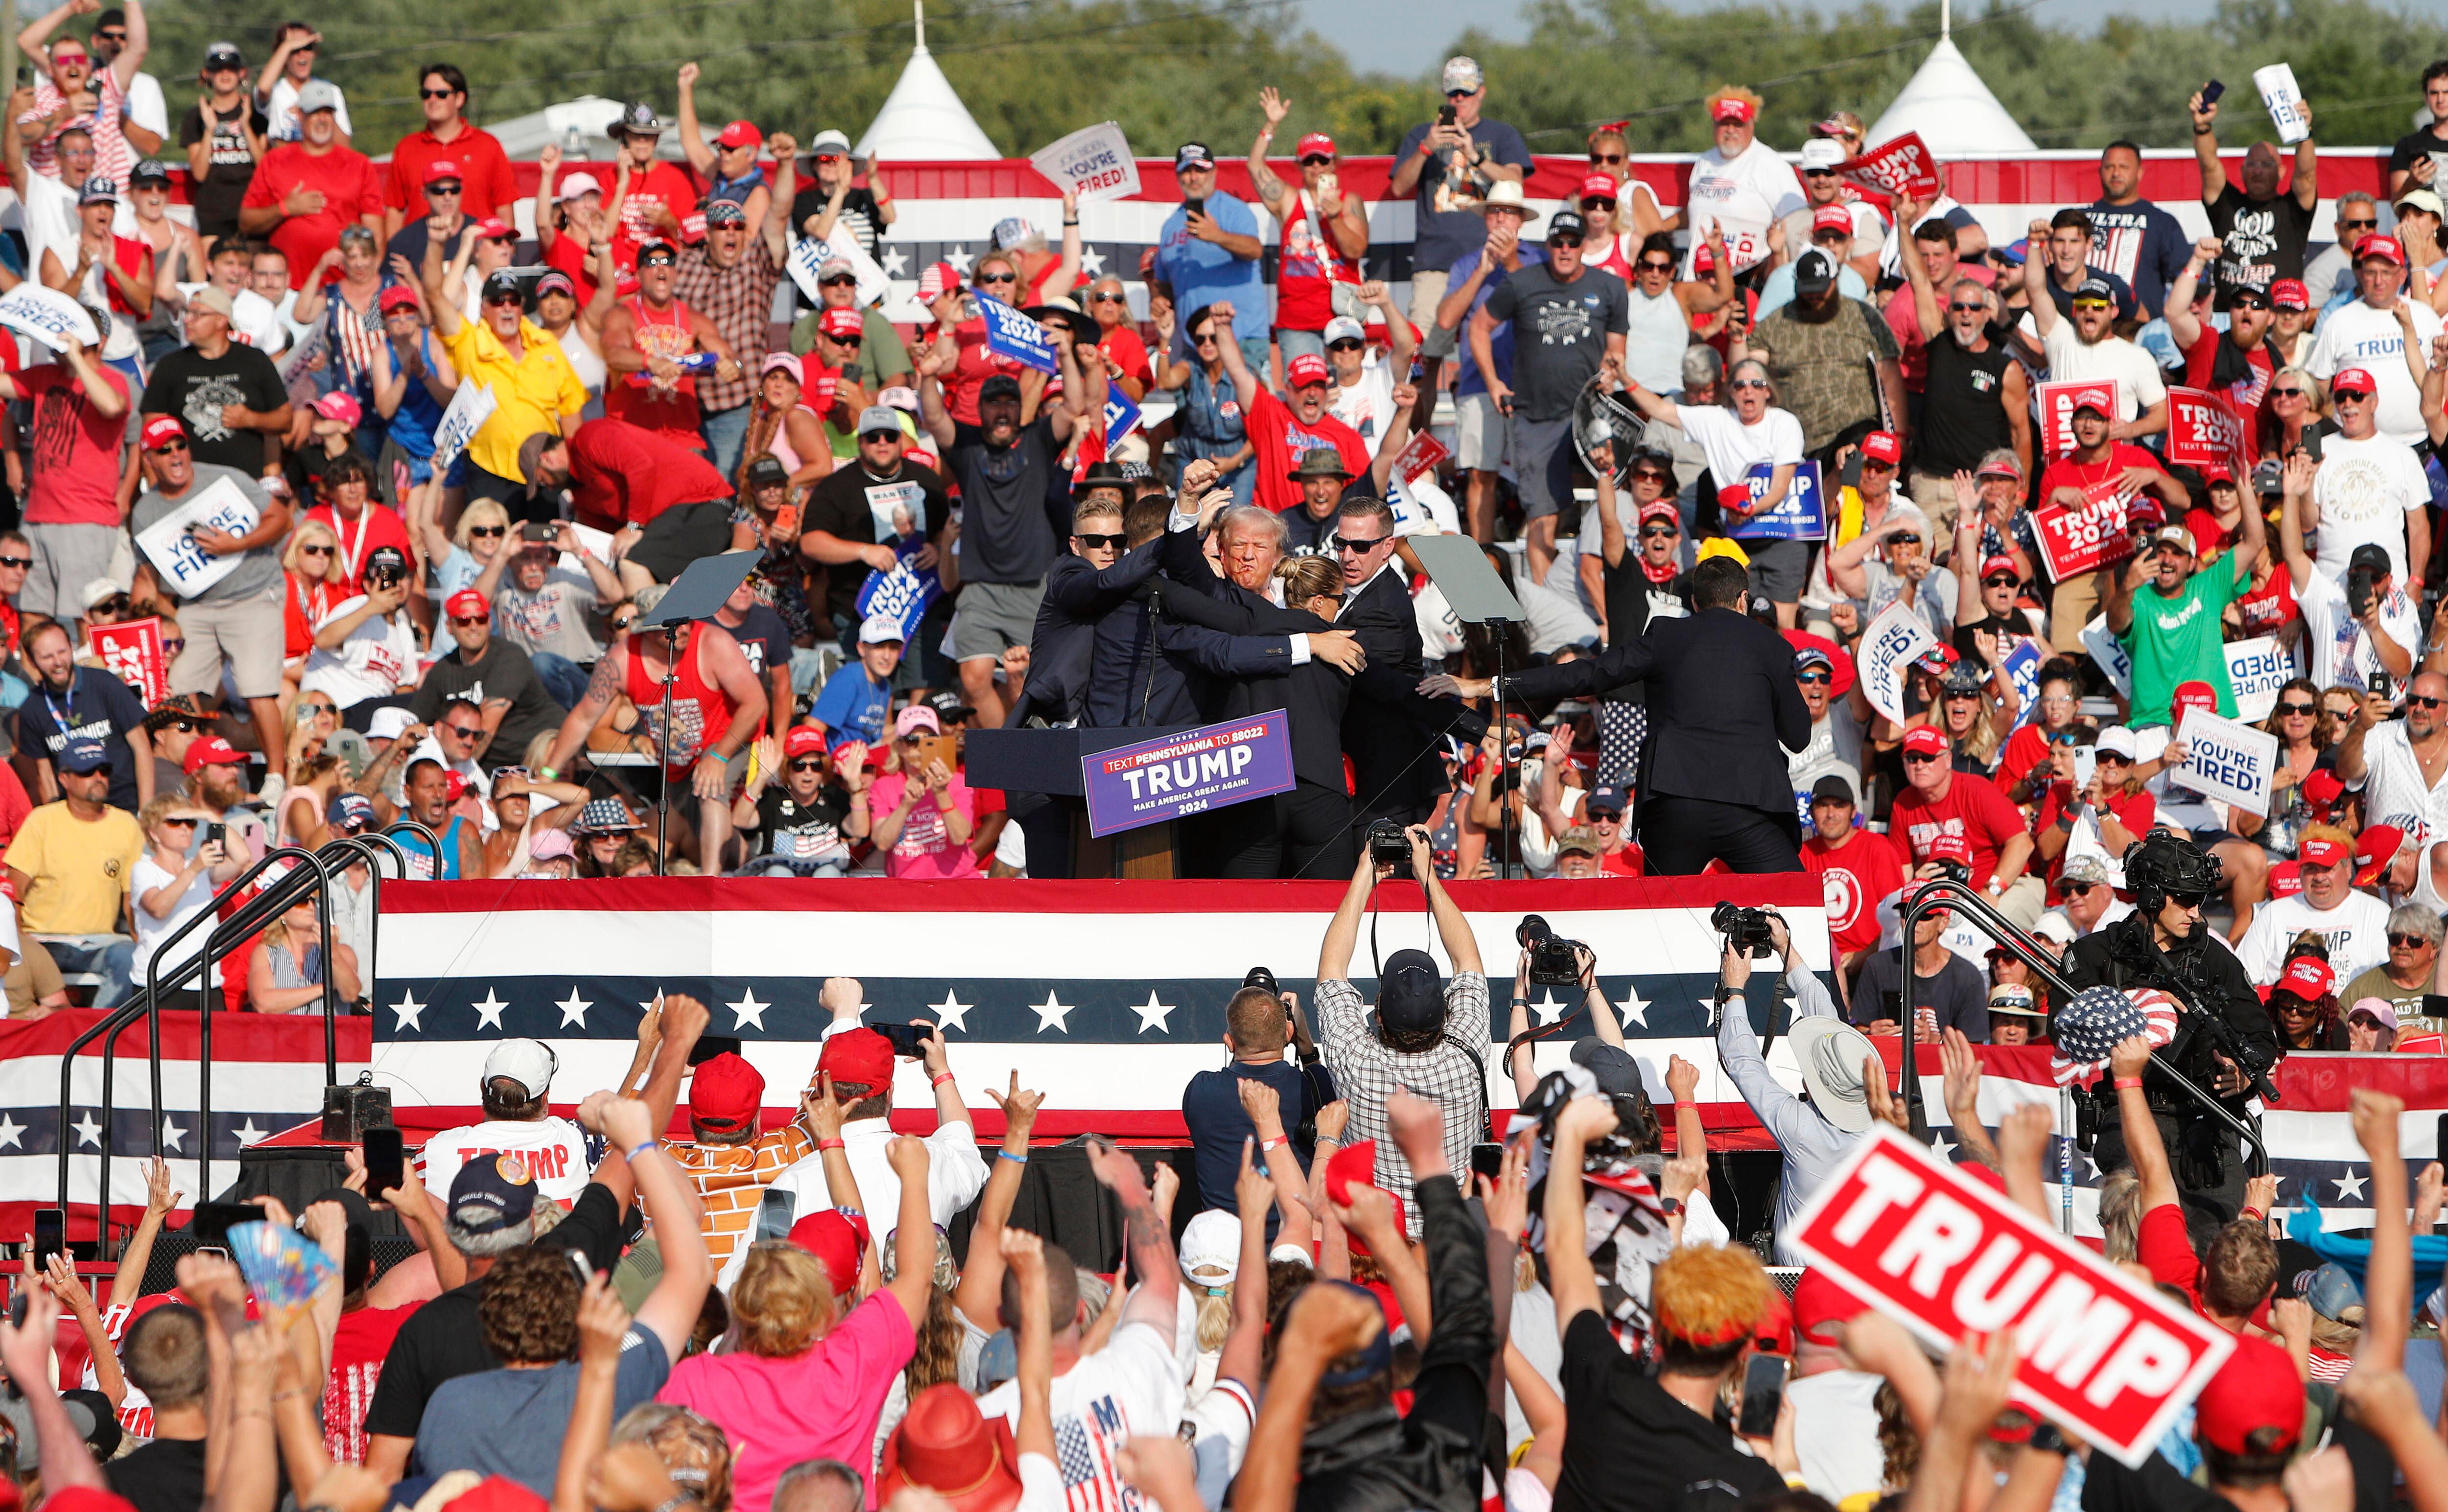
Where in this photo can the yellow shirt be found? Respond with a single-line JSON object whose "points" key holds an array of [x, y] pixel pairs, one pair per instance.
{"points": [[530, 395], [79, 870]]}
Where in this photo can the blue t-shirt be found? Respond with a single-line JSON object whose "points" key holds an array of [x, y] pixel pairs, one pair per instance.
{"points": [[96, 707], [852, 707], [1499, 342], [510, 1422], [2142, 245], [1201, 272], [1445, 235], [419, 415]]}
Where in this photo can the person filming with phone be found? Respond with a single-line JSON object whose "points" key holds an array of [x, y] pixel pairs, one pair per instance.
{"points": [[856, 1068]]}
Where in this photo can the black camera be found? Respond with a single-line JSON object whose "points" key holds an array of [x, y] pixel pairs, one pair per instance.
{"points": [[2361, 587], [1388, 846], [1554, 962], [1746, 929], [1955, 870], [1261, 977]]}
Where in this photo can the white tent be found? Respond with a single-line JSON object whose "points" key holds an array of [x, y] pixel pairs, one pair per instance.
{"points": [[922, 120], [1947, 104]]}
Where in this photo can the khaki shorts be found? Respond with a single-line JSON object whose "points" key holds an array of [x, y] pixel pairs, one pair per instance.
{"points": [[2072, 604], [247, 633], [66, 557], [1428, 291], [1481, 434], [1936, 496]]}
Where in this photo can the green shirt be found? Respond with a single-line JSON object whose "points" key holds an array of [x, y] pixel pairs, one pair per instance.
{"points": [[2177, 638]]}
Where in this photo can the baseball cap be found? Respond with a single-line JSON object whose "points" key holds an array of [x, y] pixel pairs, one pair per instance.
{"points": [[742, 134], [1608, 797], [2353, 380], [999, 386], [842, 321], [2095, 289], [1209, 1252], [390, 725], [1732, 107], [2289, 294], [574, 184], [2254, 1404], [2332, 1289], [1813, 272], [2053, 925], [84, 753], [1950, 846], [1618, 1074], [491, 1193], [1598, 186], [2173, 535], [210, 751], [1661, 509], [1193, 153], [2308, 977], [466, 605], [222, 55], [2116, 739], [442, 170], [1460, 72], [1811, 655], [1582, 838], [342, 406], [1307, 369], [99, 190], [1411, 997], [1831, 788], [767, 472], [1344, 328], [1833, 217], [1822, 153], [499, 284], [149, 170], [917, 717], [725, 1093], [858, 1058], [347, 809], [725, 213], [2422, 200], [804, 739], [214, 297], [879, 417], [878, 629], [1314, 142], [1994, 564], [528, 1062], [2388, 249], [161, 428], [1568, 223], [398, 297], [937, 279], [2371, 557], [1884, 446], [2085, 869], [839, 1240], [2381, 1010], [1818, 1300], [1926, 739], [2000, 463], [2374, 849], [317, 95], [948, 705]]}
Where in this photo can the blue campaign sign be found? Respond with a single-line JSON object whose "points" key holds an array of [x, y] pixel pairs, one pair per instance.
{"points": [[1121, 416], [1801, 516], [905, 593], [1017, 337], [1188, 772], [2023, 665]]}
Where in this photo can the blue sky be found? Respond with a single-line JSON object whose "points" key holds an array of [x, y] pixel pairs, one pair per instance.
{"points": [[1409, 37]]}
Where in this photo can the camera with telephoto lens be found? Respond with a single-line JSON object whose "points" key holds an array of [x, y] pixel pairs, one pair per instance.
{"points": [[1746, 929], [1554, 962], [1388, 846]]}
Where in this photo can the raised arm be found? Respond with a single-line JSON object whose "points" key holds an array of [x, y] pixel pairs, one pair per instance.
{"points": [[1145, 1239], [2205, 148], [2036, 271], [670, 1311], [979, 1295], [1453, 929], [2182, 323], [1264, 180], [1571, 1281], [1342, 931]]}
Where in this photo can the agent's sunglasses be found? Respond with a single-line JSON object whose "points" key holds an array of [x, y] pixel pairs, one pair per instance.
{"points": [[1117, 540]]}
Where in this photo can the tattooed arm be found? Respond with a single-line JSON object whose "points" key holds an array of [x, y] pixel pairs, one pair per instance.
{"points": [[1146, 1237], [610, 670]]}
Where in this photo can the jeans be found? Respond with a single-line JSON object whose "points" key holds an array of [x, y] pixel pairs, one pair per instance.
{"points": [[726, 431], [113, 959], [561, 678], [783, 866]]}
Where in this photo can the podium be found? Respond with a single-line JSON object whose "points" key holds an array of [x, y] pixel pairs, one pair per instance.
{"points": [[1046, 762]]}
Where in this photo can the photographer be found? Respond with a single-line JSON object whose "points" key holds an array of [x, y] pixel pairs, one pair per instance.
{"points": [[1947, 986], [365, 649], [1428, 1037], [2165, 944], [1264, 1030], [1542, 949], [1844, 1086]]}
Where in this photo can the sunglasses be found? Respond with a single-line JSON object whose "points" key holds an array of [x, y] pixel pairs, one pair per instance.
{"points": [[435, 94], [2111, 758], [470, 618], [325, 551], [1108, 299], [1813, 677], [186, 726], [1904, 538], [2286, 393], [1204, 339], [318, 708], [2091, 304], [1914, 758], [1653, 265], [1345, 542], [110, 36], [180, 821], [658, 259], [2003, 580], [1564, 239], [2189, 900], [1972, 307], [1344, 345], [2406, 942], [2342, 395], [2077, 890], [808, 764], [1740, 384], [1317, 159], [166, 448], [999, 278], [503, 301], [2426, 702], [16, 561], [847, 342], [2359, 225], [116, 603], [828, 157], [1117, 541], [839, 281], [1608, 158], [464, 732], [2298, 711], [1652, 474], [1657, 532]]}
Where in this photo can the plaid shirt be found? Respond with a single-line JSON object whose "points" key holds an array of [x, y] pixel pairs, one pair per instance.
{"points": [[1450, 1072], [739, 300]]}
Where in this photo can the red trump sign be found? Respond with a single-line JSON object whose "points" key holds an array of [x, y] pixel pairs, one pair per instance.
{"points": [[1947, 1256]]}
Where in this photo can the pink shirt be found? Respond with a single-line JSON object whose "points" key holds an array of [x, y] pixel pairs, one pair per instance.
{"points": [[926, 848], [822, 1403]]}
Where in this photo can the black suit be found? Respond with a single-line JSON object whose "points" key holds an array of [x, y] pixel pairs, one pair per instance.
{"points": [[1722, 700], [1390, 731]]}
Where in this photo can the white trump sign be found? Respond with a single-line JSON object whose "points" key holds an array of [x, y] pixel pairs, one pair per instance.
{"points": [[2227, 761], [2256, 669], [1094, 160], [1893, 642]]}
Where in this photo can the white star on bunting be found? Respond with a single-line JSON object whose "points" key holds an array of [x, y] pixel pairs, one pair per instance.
{"points": [[488, 1013], [11, 1133], [747, 1010], [173, 1137], [2348, 1186], [1939, 1146], [960, 258], [408, 1008], [248, 1133], [1153, 1015], [895, 262], [1092, 262], [1052, 1014], [1547, 1009], [951, 1013], [1633, 1006], [573, 1009], [87, 1131]]}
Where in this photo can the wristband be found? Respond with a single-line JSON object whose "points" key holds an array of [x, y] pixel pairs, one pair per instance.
{"points": [[2124, 1082], [643, 1145], [1426, 150], [1275, 1143], [549, 773], [1006, 1155], [822, 1145], [1681, 1103], [2252, 1212], [940, 1080]]}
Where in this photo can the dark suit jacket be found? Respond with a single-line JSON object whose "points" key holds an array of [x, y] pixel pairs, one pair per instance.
{"points": [[1314, 695], [1089, 653], [1722, 700], [1388, 724]]}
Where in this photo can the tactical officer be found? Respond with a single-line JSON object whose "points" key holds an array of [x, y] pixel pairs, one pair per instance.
{"points": [[2224, 1039]]}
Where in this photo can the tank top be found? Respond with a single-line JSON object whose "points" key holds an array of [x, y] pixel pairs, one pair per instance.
{"points": [[1310, 265], [779, 443], [636, 401], [421, 860], [1655, 336], [1962, 419], [700, 710], [583, 359]]}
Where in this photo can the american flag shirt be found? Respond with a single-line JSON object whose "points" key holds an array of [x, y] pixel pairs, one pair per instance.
{"points": [[1134, 1385]]}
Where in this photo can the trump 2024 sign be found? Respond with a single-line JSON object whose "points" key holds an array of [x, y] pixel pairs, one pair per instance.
{"points": [[1947, 1256]]}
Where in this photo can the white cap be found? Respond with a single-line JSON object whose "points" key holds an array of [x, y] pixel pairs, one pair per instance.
{"points": [[528, 1062], [1821, 152], [2053, 925], [878, 629], [2117, 737], [574, 184], [1211, 1249], [1292, 1252], [387, 724], [1344, 328]]}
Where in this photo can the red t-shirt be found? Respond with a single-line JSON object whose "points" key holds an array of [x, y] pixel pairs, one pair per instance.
{"points": [[378, 524], [359, 1343], [487, 187], [627, 474], [305, 606], [2137, 812], [975, 363], [1903, 318], [351, 188], [568, 254], [1628, 862], [1280, 439], [1971, 808], [1858, 875], [74, 479], [661, 184], [1128, 353], [2269, 606], [2167, 1251], [2066, 472], [2208, 535], [1309, 266], [2026, 748], [15, 804], [2249, 393]]}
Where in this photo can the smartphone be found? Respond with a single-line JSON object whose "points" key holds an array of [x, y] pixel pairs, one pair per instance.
{"points": [[577, 1259], [216, 833], [2086, 764], [773, 1214], [217, 1251], [2212, 91], [2380, 683], [2311, 444], [51, 1235], [1445, 114], [1194, 207], [538, 531], [1486, 1159], [1849, 476], [1891, 1005], [710, 1045], [904, 1038], [212, 1223], [1763, 1395], [386, 1155]]}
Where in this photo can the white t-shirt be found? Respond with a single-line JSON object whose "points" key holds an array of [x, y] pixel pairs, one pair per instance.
{"points": [[554, 1149], [2139, 382], [1892, 238], [2365, 489], [1134, 1386], [1836, 1432], [150, 932], [2356, 336], [1732, 447], [2356, 931], [2393, 791], [1745, 198], [283, 99], [2342, 649], [955, 1176], [146, 107], [377, 657], [1367, 405]]}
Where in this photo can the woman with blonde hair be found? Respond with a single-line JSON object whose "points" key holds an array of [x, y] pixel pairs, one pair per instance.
{"points": [[314, 580], [458, 558], [784, 426], [695, 1452], [2297, 407], [1637, 212]]}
